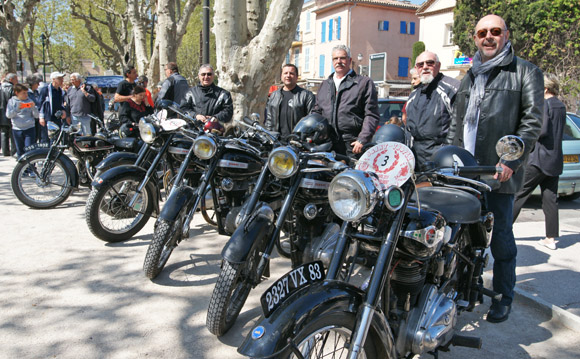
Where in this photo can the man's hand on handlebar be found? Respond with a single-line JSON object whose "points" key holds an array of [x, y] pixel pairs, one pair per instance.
{"points": [[506, 173]]}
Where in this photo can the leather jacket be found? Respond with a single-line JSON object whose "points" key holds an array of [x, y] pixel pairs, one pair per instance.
{"points": [[209, 101], [513, 104], [173, 88], [303, 102]]}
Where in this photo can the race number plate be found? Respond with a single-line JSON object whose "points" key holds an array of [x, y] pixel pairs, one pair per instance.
{"points": [[292, 281]]}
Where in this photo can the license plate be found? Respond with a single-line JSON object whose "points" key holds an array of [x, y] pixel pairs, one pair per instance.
{"points": [[291, 282], [570, 158]]}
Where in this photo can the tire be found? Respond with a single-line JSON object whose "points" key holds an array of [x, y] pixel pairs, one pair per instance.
{"points": [[165, 239], [107, 214], [34, 192], [228, 297], [329, 335], [570, 197]]}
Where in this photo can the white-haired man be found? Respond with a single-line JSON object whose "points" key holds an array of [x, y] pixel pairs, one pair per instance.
{"points": [[80, 98]]}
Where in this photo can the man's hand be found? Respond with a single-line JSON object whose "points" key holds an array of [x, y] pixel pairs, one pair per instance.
{"points": [[42, 122], [506, 173], [356, 147], [202, 118]]}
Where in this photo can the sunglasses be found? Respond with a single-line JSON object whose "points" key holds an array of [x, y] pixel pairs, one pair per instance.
{"points": [[495, 31], [428, 63], [206, 74]]}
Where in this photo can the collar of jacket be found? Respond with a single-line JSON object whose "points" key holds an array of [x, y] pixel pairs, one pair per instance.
{"points": [[349, 79], [432, 85], [208, 89]]}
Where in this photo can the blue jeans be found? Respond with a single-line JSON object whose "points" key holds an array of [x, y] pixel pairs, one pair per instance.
{"points": [[23, 139], [503, 245], [85, 122]]}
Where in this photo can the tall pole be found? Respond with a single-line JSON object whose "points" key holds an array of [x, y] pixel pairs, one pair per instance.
{"points": [[43, 39], [205, 50]]}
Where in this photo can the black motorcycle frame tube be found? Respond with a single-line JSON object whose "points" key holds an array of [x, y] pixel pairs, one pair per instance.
{"points": [[48, 153], [366, 312], [116, 159]]}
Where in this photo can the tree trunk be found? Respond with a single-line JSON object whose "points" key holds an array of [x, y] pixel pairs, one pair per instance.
{"points": [[166, 31], [11, 26], [247, 54]]}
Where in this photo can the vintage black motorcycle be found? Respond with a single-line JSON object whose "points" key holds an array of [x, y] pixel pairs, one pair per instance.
{"points": [[230, 168], [45, 176], [304, 215], [424, 246], [124, 197]]}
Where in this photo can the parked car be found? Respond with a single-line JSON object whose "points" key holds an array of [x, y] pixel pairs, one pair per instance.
{"points": [[568, 184], [389, 107]]}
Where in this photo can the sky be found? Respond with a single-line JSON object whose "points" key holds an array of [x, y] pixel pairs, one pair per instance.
{"points": [[418, 2]]}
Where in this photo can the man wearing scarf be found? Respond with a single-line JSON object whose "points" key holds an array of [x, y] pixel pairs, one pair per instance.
{"points": [[500, 95]]}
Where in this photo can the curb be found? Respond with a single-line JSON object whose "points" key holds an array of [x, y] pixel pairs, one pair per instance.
{"points": [[556, 313]]}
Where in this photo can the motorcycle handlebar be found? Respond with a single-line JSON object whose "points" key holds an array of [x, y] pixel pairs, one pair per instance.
{"points": [[478, 170]]}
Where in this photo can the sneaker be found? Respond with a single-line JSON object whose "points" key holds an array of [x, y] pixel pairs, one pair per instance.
{"points": [[549, 245]]}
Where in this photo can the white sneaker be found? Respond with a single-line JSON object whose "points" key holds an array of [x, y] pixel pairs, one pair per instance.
{"points": [[549, 245]]}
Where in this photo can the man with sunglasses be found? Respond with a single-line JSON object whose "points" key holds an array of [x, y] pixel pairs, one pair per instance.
{"points": [[174, 87], [206, 101], [429, 108], [500, 95]]}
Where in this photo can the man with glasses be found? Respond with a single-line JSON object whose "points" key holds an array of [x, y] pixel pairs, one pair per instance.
{"points": [[349, 102], [429, 108], [206, 101], [500, 95], [174, 87]]}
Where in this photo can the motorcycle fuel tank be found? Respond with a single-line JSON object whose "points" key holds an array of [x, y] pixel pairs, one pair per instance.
{"points": [[237, 163], [90, 143]]}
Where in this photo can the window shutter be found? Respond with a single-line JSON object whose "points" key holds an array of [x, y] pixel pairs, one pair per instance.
{"points": [[403, 66], [412, 29], [330, 30], [403, 27], [323, 34], [338, 28], [385, 26], [321, 66]]}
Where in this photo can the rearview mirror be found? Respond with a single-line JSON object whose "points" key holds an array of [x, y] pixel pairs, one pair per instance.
{"points": [[510, 148]]}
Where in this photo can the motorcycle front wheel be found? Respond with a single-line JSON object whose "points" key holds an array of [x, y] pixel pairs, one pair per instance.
{"points": [[108, 214], [228, 297], [329, 335], [165, 239], [37, 192]]}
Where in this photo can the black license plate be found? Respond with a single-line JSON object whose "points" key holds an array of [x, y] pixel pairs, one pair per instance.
{"points": [[292, 281]]}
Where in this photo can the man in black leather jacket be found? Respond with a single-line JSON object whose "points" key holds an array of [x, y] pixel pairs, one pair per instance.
{"points": [[289, 104], [174, 87], [206, 101], [500, 95], [429, 108], [349, 102]]}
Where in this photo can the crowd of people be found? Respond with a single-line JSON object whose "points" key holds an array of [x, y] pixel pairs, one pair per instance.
{"points": [[500, 95]]}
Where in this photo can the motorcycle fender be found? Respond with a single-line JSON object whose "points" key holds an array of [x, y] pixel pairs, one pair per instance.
{"points": [[116, 159], [115, 173], [255, 228], [67, 163], [179, 198], [268, 338]]}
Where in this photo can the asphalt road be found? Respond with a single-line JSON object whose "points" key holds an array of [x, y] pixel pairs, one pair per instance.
{"points": [[66, 294]]}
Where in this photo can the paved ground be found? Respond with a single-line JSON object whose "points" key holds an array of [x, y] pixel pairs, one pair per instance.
{"points": [[66, 294]]}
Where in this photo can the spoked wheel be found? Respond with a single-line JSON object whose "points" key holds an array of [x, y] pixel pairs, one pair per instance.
{"points": [[328, 336], [229, 295], [165, 239], [37, 191], [108, 214], [207, 209]]}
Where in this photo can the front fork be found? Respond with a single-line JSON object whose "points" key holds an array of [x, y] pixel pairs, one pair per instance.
{"points": [[201, 189]]}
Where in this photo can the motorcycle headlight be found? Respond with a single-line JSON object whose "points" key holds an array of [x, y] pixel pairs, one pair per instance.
{"points": [[204, 147], [147, 131], [353, 194], [283, 162], [52, 128]]}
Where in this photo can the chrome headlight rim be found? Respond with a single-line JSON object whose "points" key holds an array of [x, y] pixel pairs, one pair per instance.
{"points": [[280, 152], [52, 128], [208, 150], [368, 192], [147, 131]]}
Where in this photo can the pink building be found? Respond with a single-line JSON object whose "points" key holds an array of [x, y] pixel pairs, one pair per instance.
{"points": [[380, 34]]}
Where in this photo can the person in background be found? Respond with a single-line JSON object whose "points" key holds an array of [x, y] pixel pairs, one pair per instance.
{"points": [[81, 97], [126, 86], [143, 81], [52, 98], [415, 81], [6, 138], [33, 82], [546, 162], [174, 87], [287, 105], [349, 102], [429, 108], [394, 120], [23, 113], [132, 110], [500, 95]]}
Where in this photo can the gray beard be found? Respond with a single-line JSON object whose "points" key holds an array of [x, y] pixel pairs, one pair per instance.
{"points": [[427, 79]]}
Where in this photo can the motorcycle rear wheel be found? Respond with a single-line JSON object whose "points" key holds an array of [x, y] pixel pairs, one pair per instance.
{"points": [[32, 191], [107, 212], [165, 239]]}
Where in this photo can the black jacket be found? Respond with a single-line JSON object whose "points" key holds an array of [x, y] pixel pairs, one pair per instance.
{"points": [[173, 88], [303, 102], [513, 104], [209, 101], [547, 153], [131, 112], [429, 110], [353, 111]]}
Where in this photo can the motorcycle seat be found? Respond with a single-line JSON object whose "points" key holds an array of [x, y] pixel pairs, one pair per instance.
{"points": [[128, 143], [455, 205]]}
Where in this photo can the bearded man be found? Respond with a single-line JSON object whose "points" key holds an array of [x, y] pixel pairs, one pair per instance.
{"points": [[429, 108]]}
